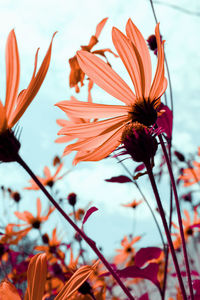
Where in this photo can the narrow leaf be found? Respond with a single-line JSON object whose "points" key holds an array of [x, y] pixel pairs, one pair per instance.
{"points": [[119, 179], [90, 211]]}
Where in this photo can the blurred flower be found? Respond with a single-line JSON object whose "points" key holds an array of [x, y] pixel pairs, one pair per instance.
{"points": [[133, 204], [191, 175], [16, 104], [187, 228], [127, 251], [31, 221], [98, 139], [52, 249], [48, 179]]}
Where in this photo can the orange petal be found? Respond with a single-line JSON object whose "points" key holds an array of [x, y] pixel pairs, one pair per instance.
{"points": [[36, 277], [39, 207], [47, 172], [12, 73], [137, 39], [8, 291], [103, 150], [105, 77], [100, 26], [157, 84], [25, 216], [92, 110], [129, 57], [3, 122], [78, 278], [87, 130], [33, 87]]}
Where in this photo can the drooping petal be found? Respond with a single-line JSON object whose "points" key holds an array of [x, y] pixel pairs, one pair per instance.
{"points": [[92, 110], [100, 26], [105, 77], [36, 277], [137, 39], [129, 57], [33, 87], [12, 73], [103, 150], [87, 130]]}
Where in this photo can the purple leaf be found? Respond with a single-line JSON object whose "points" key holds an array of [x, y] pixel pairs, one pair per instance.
{"points": [[90, 211], [139, 168], [150, 273], [144, 297], [146, 254], [195, 225], [165, 121], [119, 179]]}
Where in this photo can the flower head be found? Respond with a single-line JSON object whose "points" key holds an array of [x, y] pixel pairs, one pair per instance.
{"points": [[17, 103], [98, 139]]}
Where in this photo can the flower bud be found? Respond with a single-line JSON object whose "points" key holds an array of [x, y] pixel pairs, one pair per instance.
{"points": [[140, 142]]}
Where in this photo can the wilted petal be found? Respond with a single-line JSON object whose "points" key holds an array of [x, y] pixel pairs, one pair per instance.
{"points": [[100, 26]]}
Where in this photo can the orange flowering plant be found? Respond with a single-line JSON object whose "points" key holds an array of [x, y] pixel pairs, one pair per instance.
{"points": [[51, 262]]}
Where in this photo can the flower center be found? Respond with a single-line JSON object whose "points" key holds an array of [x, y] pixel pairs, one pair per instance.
{"points": [[144, 112]]}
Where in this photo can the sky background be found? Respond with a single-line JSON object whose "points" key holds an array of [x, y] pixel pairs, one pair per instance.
{"points": [[34, 23]]}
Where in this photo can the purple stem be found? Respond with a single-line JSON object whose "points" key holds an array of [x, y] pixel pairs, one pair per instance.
{"points": [[162, 214], [90, 242], [179, 217]]}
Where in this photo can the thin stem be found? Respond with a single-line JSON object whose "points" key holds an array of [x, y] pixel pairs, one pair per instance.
{"points": [[147, 203], [90, 242], [162, 214], [179, 216]]}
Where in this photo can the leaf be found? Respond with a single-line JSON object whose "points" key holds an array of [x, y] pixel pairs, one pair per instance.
{"points": [[90, 211], [150, 273], [146, 254], [165, 121], [144, 297], [119, 179], [139, 168]]}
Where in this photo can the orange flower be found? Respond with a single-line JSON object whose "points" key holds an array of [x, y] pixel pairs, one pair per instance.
{"points": [[188, 231], [31, 221], [52, 249], [100, 138], [191, 175], [128, 251], [16, 104], [48, 179], [133, 204], [76, 74]]}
